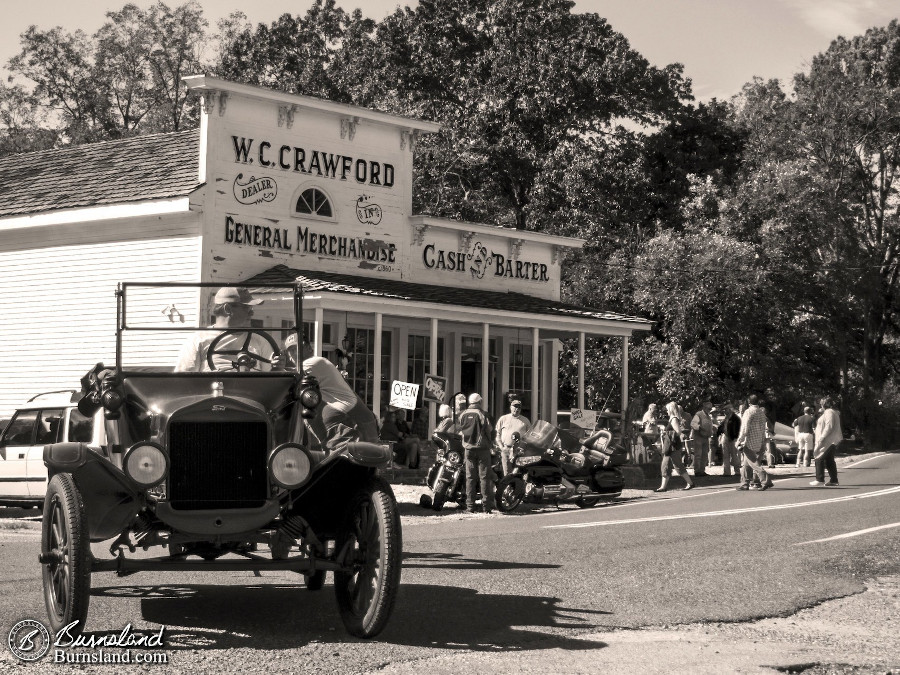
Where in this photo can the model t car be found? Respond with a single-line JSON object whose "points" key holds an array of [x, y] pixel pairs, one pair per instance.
{"points": [[216, 468]]}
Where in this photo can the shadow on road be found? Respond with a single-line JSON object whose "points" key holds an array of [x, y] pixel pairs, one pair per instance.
{"points": [[455, 561], [284, 616]]}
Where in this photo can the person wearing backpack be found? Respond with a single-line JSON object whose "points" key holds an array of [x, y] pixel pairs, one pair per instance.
{"points": [[476, 431]]}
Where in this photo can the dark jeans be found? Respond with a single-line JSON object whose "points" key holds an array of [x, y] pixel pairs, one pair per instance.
{"points": [[826, 461], [479, 460]]}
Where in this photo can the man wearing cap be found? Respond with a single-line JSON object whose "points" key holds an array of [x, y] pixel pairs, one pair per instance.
{"points": [[232, 308], [344, 415], [475, 429], [507, 425]]}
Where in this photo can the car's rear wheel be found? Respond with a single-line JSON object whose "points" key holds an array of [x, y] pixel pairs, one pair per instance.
{"points": [[370, 543], [65, 555]]}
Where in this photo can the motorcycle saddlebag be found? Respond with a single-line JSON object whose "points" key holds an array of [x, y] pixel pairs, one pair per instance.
{"points": [[608, 482], [619, 455]]}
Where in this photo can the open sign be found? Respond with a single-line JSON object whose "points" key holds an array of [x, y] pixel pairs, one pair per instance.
{"points": [[435, 388], [404, 395]]}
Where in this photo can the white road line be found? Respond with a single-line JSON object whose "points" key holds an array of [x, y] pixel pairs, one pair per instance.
{"points": [[863, 461], [850, 534], [774, 507]]}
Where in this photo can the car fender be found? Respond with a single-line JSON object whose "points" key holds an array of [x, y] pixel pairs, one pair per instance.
{"points": [[111, 500]]}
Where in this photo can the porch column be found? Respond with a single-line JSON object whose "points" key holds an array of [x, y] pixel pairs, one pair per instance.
{"points": [[432, 365], [485, 362], [317, 331], [624, 378], [535, 373], [581, 371], [376, 374]]}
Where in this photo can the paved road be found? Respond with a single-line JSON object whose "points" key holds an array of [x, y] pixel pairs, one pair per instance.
{"points": [[574, 590]]}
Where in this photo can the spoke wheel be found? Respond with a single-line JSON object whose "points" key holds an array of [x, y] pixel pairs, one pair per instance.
{"points": [[64, 541], [510, 493], [371, 532], [440, 498]]}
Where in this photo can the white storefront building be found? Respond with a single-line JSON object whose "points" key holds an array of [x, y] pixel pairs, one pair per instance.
{"points": [[275, 187]]}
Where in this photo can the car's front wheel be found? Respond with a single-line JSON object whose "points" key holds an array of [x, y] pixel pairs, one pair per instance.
{"points": [[370, 544], [65, 555]]}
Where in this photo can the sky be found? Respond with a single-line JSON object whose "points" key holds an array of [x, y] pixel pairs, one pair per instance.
{"points": [[722, 44]]}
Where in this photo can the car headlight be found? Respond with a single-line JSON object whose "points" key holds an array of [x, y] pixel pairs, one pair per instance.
{"points": [[289, 466], [146, 464]]}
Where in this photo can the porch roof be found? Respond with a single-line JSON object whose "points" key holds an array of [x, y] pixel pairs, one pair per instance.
{"points": [[413, 299]]}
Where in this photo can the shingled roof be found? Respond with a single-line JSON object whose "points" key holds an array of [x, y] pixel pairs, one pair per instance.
{"points": [[158, 166], [447, 295]]}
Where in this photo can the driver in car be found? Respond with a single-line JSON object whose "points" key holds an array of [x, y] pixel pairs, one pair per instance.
{"points": [[232, 308]]}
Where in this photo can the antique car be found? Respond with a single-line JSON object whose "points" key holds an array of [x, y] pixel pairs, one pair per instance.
{"points": [[219, 469]]}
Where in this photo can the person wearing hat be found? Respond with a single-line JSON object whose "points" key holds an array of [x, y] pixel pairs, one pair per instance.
{"points": [[232, 308], [475, 429], [344, 415], [507, 425], [701, 431]]}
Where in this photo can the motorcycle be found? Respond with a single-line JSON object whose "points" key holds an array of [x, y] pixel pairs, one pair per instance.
{"points": [[551, 465], [447, 476]]}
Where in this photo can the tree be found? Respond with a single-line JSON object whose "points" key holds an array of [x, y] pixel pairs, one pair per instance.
{"points": [[125, 80], [22, 122], [821, 182], [293, 53]]}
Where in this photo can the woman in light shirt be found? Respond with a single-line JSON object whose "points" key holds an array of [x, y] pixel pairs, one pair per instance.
{"points": [[672, 441], [828, 436]]}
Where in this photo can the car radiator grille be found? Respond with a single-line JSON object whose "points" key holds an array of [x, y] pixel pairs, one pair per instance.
{"points": [[217, 465]]}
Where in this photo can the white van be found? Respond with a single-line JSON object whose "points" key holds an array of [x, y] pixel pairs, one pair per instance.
{"points": [[46, 418]]}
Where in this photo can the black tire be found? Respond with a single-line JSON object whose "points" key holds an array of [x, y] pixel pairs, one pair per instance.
{"points": [[509, 493], [587, 502], [67, 578], [439, 499], [371, 531], [314, 581]]}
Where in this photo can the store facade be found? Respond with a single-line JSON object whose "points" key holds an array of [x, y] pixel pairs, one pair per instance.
{"points": [[274, 188]]}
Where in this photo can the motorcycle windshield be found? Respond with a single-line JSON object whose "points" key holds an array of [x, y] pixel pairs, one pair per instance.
{"points": [[542, 434]]}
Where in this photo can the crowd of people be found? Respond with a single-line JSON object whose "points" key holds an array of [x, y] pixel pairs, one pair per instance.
{"points": [[743, 434]]}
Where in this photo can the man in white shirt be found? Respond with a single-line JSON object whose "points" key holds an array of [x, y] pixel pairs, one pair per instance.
{"points": [[506, 426], [232, 308]]}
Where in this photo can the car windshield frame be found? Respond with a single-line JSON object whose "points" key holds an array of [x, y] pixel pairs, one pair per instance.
{"points": [[122, 326]]}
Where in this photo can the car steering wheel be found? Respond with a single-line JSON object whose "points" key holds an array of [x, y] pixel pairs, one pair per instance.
{"points": [[245, 358]]}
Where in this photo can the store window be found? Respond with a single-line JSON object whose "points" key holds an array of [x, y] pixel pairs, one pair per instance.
{"points": [[418, 361], [521, 375], [313, 202], [361, 364], [471, 370]]}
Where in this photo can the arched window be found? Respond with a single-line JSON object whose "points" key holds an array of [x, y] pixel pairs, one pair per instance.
{"points": [[313, 202]]}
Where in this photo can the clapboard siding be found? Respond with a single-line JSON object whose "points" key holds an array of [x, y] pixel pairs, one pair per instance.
{"points": [[57, 297]]}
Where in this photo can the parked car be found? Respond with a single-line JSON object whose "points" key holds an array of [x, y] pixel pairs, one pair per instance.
{"points": [[785, 445], [52, 417], [216, 470]]}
